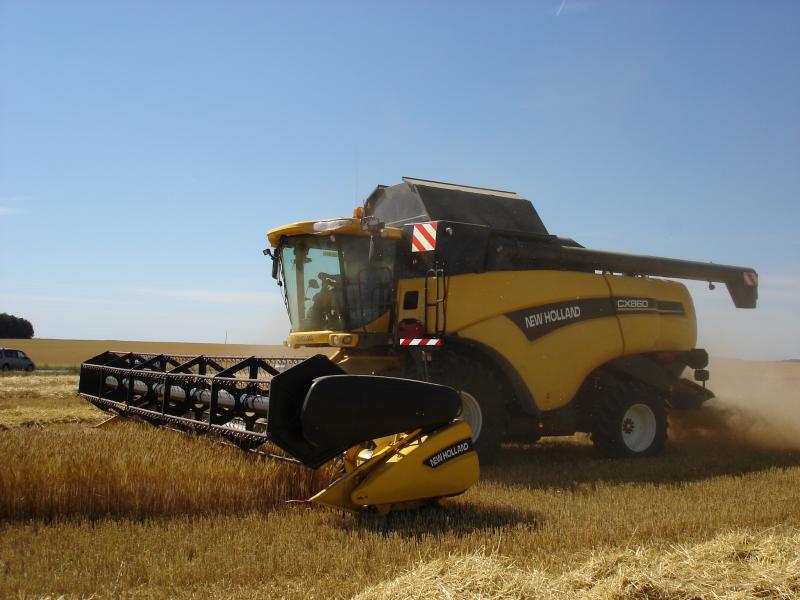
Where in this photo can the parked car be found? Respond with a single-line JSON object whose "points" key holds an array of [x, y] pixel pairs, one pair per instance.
{"points": [[13, 359]]}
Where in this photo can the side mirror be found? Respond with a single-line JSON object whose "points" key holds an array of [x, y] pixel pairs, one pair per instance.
{"points": [[374, 226], [276, 263], [375, 248]]}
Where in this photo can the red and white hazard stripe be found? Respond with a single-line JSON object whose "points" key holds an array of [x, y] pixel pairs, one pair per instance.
{"points": [[424, 237], [750, 278], [420, 342]]}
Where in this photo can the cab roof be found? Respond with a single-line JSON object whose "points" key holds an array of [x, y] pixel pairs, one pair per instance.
{"points": [[422, 200], [326, 227]]}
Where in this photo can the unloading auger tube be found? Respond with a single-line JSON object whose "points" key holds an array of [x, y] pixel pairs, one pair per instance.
{"points": [[398, 442]]}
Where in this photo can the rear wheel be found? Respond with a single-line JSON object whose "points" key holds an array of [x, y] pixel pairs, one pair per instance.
{"points": [[482, 403], [629, 419], [6, 368]]}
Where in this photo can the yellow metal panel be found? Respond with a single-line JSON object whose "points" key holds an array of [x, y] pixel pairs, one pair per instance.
{"points": [[650, 332], [553, 366], [310, 338], [406, 476], [337, 493], [473, 298]]}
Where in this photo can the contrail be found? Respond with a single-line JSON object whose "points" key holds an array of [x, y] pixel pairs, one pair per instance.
{"points": [[560, 8]]}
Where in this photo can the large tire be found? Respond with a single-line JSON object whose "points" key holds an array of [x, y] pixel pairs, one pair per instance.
{"points": [[483, 403], [629, 419]]}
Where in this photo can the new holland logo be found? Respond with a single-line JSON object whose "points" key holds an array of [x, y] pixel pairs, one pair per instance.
{"points": [[449, 453], [538, 321], [553, 315]]}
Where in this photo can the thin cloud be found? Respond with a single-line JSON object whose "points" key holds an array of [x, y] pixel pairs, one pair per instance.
{"points": [[149, 297], [572, 7], [215, 296], [7, 211], [9, 298]]}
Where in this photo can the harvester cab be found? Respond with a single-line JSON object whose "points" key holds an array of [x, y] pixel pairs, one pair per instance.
{"points": [[466, 287], [338, 288]]}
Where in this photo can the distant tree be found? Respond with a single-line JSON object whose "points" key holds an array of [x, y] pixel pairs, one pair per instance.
{"points": [[15, 327]]}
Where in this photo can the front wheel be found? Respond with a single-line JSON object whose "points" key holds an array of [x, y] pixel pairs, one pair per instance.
{"points": [[29, 369], [629, 419], [482, 403]]}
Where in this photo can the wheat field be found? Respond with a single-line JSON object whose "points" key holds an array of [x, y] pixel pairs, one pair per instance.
{"points": [[132, 511], [60, 354]]}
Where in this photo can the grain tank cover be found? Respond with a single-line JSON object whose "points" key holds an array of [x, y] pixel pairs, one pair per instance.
{"points": [[419, 200]]}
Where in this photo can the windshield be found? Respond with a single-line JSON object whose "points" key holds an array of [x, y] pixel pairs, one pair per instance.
{"points": [[330, 283]]}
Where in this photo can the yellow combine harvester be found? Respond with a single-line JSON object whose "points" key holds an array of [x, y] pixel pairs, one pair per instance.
{"points": [[464, 286], [459, 322]]}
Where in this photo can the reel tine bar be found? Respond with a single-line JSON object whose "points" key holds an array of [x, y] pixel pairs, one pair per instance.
{"points": [[207, 394]]}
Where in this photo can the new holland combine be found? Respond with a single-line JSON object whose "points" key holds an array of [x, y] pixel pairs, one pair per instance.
{"points": [[459, 321]]}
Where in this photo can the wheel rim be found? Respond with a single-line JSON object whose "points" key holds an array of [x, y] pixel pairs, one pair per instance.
{"points": [[638, 427], [471, 414]]}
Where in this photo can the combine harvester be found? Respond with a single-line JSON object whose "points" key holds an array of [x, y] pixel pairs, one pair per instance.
{"points": [[460, 321]]}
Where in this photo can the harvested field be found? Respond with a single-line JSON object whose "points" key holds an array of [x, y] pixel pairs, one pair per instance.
{"points": [[733, 565], [37, 400], [130, 510]]}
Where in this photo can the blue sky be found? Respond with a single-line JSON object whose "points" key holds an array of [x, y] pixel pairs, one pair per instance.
{"points": [[146, 147]]}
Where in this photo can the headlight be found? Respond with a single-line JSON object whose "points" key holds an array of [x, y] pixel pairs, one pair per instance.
{"points": [[341, 340]]}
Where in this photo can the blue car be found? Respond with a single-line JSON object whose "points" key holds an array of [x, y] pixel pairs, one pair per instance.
{"points": [[17, 360]]}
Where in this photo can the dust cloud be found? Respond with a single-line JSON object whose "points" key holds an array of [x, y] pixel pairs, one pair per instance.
{"points": [[757, 404]]}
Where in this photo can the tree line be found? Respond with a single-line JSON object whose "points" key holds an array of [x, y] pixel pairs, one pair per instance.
{"points": [[15, 327]]}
